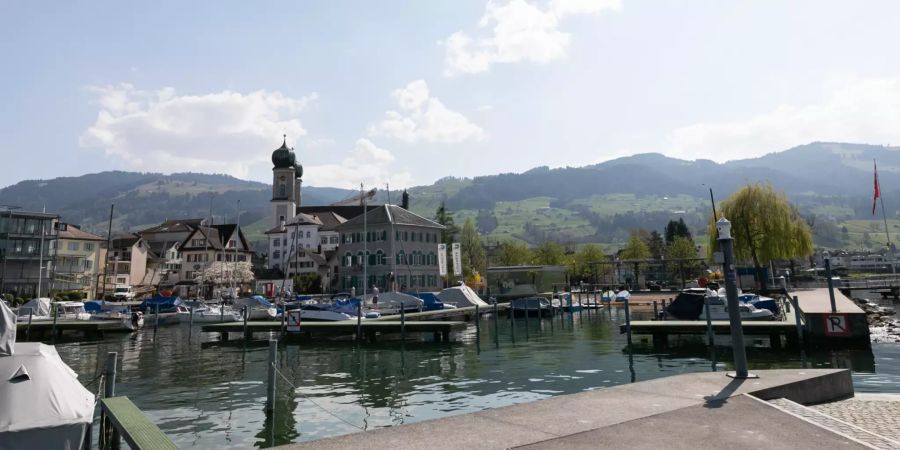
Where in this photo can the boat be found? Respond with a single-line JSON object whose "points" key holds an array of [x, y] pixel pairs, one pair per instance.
{"points": [[321, 313], [531, 306], [36, 309], [607, 296], [623, 296], [391, 302], [125, 319], [687, 305], [761, 302], [718, 310], [209, 314], [570, 305], [42, 403], [460, 296], [257, 307], [431, 301], [169, 309]]}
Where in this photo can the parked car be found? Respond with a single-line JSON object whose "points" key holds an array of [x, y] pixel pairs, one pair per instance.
{"points": [[123, 293]]}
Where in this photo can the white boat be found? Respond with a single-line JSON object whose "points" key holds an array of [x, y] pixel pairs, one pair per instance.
{"points": [[460, 296], [532, 306], [126, 321], [623, 296], [718, 310], [36, 308], [207, 314], [607, 296], [257, 307], [320, 313], [42, 403]]}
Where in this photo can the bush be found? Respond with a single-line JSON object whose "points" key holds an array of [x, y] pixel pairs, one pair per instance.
{"points": [[76, 296], [19, 301], [9, 298]]}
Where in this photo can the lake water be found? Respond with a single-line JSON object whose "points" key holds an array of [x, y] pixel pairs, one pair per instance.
{"points": [[208, 394]]}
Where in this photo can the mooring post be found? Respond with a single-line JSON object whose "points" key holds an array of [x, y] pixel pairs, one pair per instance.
{"points": [[799, 324], [156, 322], [831, 282], [222, 311], [402, 321], [627, 320], [245, 314], [55, 316], [496, 325], [270, 382], [655, 311], [109, 390], [528, 313], [477, 323], [28, 330], [512, 323], [710, 335], [191, 310], [359, 321]]}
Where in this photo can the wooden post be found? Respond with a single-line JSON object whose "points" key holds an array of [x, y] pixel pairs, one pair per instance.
{"points": [[109, 390], [512, 323], [796, 304], [55, 316], [284, 315], [222, 311], [156, 323], [627, 320], [402, 321], [496, 325], [527, 321], [359, 321], [710, 335], [244, 313], [270, 382], [28, 330], [655, 311]]}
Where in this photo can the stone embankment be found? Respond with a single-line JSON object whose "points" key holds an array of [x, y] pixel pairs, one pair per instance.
{"points": [[884, 326]]}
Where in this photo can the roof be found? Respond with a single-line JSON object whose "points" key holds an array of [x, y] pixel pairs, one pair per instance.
{"points": [[387, 214], [299, 219], [348, 211], [317, 258], [73, 232], [125, 240], [214, 236], [330, 220], [175, 226]]}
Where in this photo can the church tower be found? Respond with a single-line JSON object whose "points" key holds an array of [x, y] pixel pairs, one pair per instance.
{"points": [[286, 183]]}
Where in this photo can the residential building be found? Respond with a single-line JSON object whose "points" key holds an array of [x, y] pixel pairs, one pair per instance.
{"points": [[389, 241], [206, 245], [27, 252], [164, 241], [79, 260], [126, 265]]}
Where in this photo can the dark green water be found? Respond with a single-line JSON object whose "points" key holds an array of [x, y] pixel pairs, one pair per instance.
{"points": [[207, 394]]}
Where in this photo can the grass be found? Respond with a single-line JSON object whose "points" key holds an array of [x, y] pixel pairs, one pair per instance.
{"points": [[611, 204]]}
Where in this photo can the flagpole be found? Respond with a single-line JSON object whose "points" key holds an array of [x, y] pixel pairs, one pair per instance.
{"points": [[887, 231]]}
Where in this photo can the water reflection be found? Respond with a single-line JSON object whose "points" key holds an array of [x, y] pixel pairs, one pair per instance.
{"points": [[208, 394]]}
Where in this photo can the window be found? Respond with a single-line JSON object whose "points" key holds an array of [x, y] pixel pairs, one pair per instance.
{"points": [[324, 240], [231, 243], [334, 240], [73, 246], [88, 264], [276, 254], [397, 235], [282, 190], [359, 258], [405, 236], [242, 257], [198, 242], [348, 259], [88, 246], [219, 256], [412, 237], [276, 242], [307, 234]]}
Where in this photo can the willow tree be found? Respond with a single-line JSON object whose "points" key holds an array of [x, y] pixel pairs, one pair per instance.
{"points": [[765, 227]]}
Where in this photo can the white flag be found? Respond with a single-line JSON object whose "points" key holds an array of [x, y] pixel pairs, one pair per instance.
{"points": [[457, 259], [442, 259]]}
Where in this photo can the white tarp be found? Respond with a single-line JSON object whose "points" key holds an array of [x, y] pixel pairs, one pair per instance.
{"points": [[390, 300], [7, 331], [461, 296], [38, 307], [42, 403]]}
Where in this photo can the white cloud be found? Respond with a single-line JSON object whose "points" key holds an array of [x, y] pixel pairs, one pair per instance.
{"points": [[859, 110], [424, 118], [517, 31], [367, 163], [223, 132]]}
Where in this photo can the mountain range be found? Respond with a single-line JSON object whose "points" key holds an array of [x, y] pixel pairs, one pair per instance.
{"points": [[597, 203]]}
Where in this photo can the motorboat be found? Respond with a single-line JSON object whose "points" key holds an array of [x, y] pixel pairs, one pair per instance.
{"points": [[209, 314], [623, 296], [392, 302], [321, 313], [124, 319], [42, 403], [607, 296], [718, 310], [257, 308], [460, 296], [761, 302], [531, 306], [163, 309], [70, 311], [36, 309], [569, 304], [432, 302], [687, 305]]}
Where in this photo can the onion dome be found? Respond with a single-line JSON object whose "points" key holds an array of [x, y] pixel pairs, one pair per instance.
{"points": [[283, 157], [298, 170]]}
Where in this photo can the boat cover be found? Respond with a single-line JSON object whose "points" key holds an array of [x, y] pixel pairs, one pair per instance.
{"points": [[461, 296], [431, 301], [95, 306], [42, 403], [686, 306], [166, 304], [7, 330], [39, 307], [256, 300]]}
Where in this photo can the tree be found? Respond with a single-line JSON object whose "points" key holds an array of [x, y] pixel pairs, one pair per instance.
{"points": [[308, 283], [636, 249], [765, 227], [512, 253], [656, 245], [221, 272], [683, 249], [445, 218], [675, 229], [550, 254], [583, 265], [473, 255]]}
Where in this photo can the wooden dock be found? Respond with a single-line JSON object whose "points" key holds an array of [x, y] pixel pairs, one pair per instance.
{"points": [[465, 313], [369, 328], [46, 327]]}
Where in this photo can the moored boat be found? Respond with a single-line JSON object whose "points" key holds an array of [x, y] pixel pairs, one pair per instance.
{"points": [[256, 308], [532, 306]]}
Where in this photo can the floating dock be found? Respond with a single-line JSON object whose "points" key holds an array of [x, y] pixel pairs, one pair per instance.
{"points": [[368, 327]]}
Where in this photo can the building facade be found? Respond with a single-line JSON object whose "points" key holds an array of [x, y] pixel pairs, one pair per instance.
{"points": [[126, 264], [204, 247], [27, 252], [388, 244], [79, 260]]}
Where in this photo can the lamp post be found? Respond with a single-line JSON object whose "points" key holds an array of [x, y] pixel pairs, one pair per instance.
{"points": [[726, 244]]}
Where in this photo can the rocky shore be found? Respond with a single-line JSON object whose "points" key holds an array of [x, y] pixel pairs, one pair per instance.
{"points": [[884, 326]]}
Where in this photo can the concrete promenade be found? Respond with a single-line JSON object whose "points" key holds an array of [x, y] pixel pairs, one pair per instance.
{"points": [[697, 410]]}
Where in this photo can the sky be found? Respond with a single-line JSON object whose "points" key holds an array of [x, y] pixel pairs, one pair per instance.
{"points": [[408, 92]]}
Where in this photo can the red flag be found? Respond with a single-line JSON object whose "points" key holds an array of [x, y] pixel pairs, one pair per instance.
{"points": [[877, 190]]}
